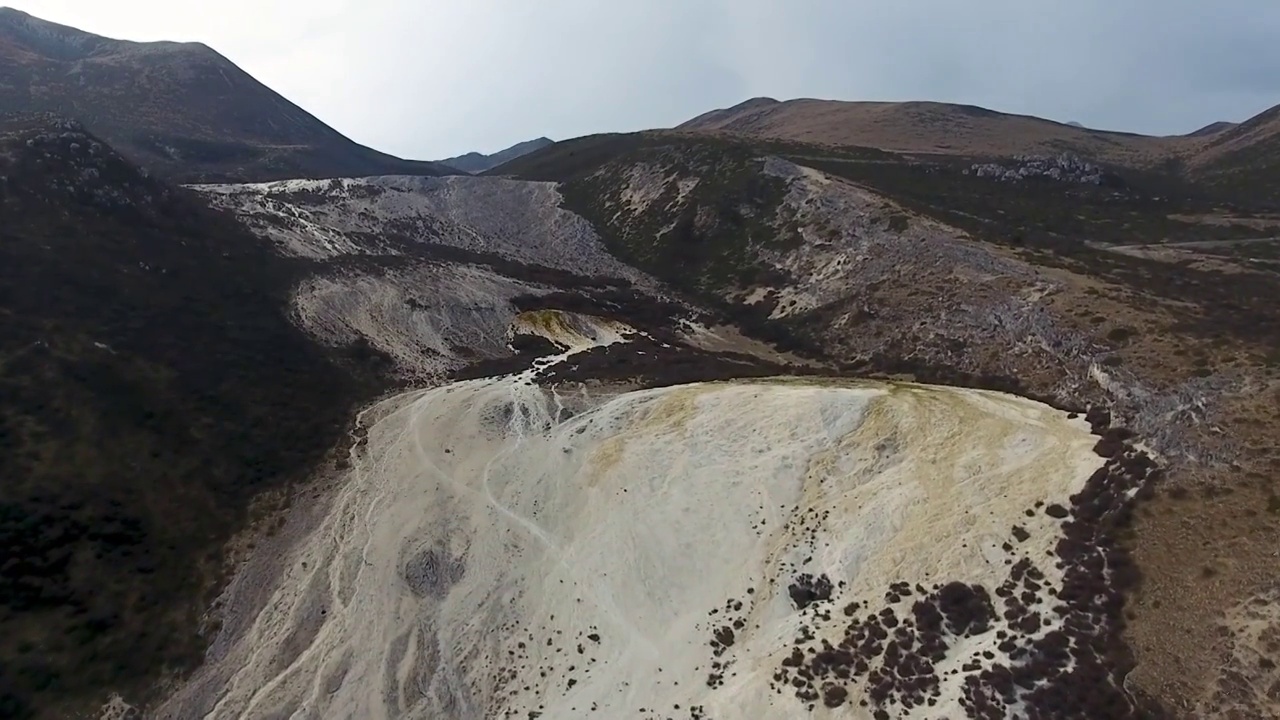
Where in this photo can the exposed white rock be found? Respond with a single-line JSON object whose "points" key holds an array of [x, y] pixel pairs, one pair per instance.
{"points": [[429, 318], [1065, 167], [499, 550], [518, 220]]}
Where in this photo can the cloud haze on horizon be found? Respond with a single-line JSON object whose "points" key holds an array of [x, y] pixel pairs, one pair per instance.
{"points": [[434, 79]]}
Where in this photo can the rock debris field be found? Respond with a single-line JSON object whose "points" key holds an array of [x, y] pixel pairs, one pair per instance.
{"points": [[770, 548]]}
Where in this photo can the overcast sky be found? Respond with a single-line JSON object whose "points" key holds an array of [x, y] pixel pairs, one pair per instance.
{"points": [[434, 78]]}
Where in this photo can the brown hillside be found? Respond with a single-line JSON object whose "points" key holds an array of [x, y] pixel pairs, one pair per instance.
{"points": [[930, 127], [1242, 161], [1262, 129]]}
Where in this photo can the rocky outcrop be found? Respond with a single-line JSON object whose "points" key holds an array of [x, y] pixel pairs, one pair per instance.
{"points": [[1065, 167]]}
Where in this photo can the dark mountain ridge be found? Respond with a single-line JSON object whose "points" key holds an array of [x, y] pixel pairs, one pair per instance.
{"points": [[181, 110], [475, 163]]}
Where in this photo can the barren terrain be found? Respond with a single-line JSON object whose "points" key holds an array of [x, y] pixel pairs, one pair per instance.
{"points": [[500, 550]]}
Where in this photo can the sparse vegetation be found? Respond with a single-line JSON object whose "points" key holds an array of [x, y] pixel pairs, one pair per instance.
{"points": [[702, 237]]}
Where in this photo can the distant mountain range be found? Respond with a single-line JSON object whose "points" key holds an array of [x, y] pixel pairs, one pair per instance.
{"points": [[944, 128], [476, 163], [180, 110], [1240, 158]]}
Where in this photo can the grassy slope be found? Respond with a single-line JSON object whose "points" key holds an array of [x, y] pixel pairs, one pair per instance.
{"points": [[929, 127], [1244, 160], [150, 385]]}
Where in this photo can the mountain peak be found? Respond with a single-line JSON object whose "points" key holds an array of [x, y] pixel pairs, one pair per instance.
{"points": [[25, 37], [754, 102], [181, 109]]}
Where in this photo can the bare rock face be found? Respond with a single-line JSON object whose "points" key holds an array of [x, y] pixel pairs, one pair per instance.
{"points": [[427, 271], [520, 221]]}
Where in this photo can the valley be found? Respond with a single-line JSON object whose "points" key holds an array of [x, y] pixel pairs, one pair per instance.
{"points": [[798, 409]]}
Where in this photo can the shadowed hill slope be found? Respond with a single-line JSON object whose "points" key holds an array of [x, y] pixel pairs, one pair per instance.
{"points": [[1212, 129], [150, 385], [179, 109]]}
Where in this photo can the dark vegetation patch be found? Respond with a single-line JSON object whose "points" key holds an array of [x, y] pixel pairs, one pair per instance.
{"points": [[150, 386], [648, 363], [1133, 209], [807, 589], [704, 244]]}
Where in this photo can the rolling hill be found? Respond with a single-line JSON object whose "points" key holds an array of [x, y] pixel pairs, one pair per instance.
{"points": [[180, 110], [927, 127]]}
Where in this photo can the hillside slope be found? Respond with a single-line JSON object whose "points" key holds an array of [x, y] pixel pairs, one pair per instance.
{"points": [[179, 109], [151, 384], [475, 162], [1243, 160], [927, 127]]}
